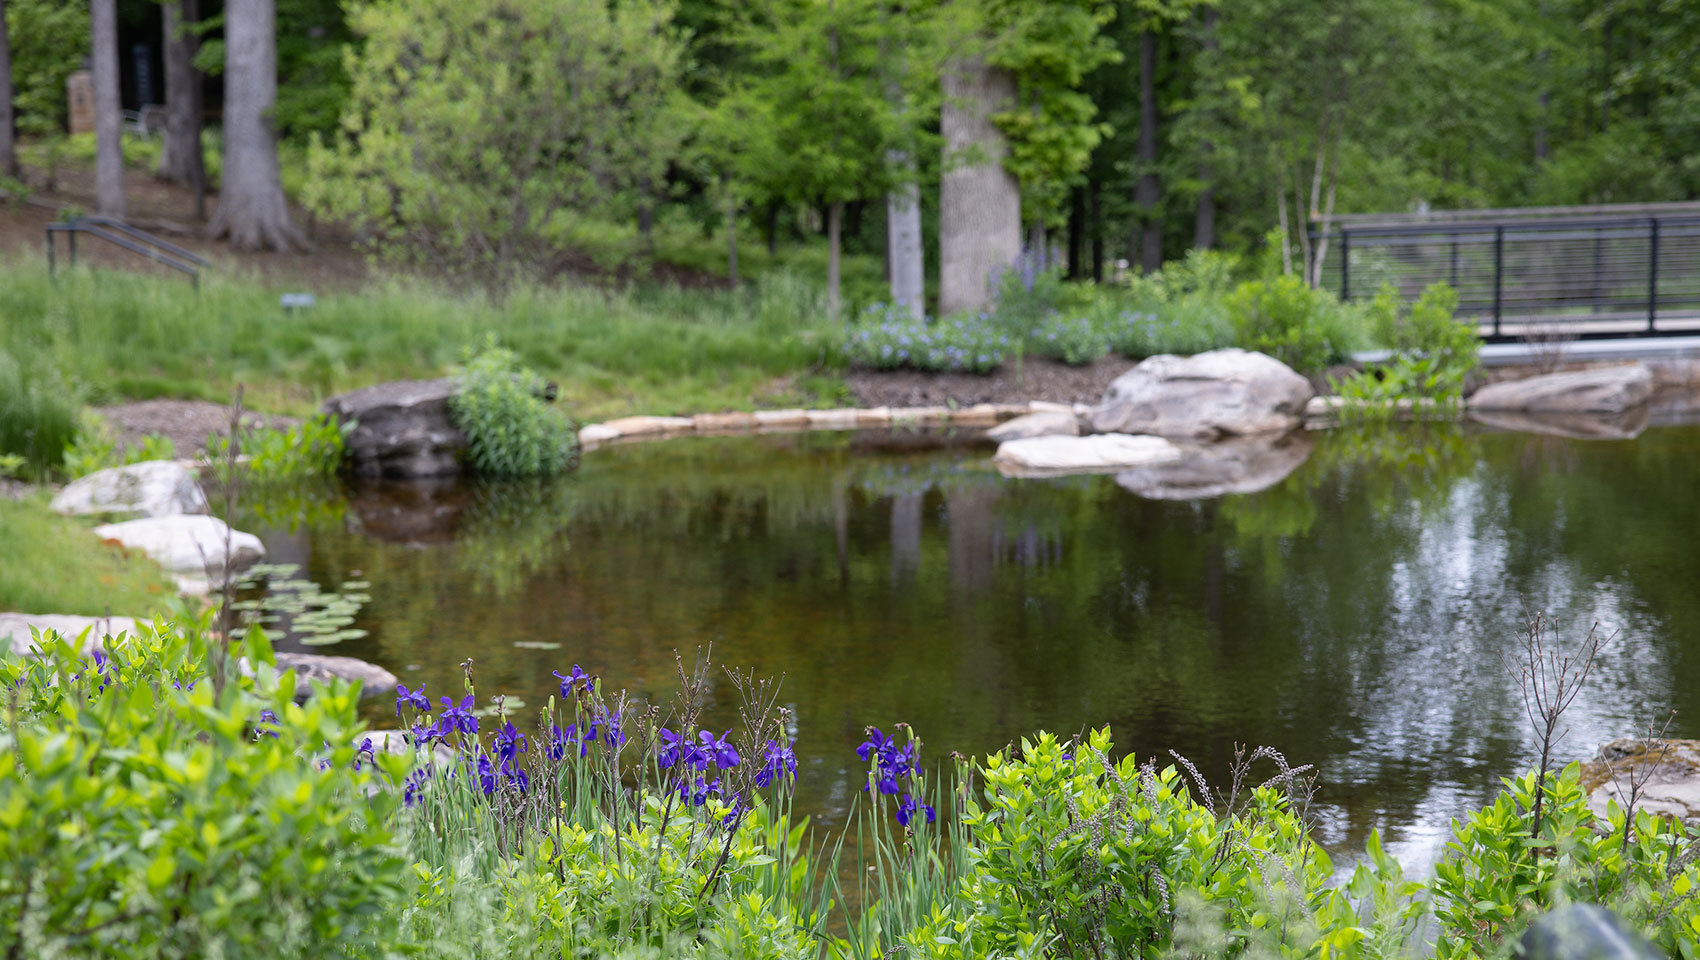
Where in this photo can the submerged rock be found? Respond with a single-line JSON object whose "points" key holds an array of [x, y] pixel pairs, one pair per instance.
{"points": [[1221, 393], [191, 548], [1237, 465], [402, 429], [1668, 771], [1600, 390], [1049, 423], [1100, 453], [152, 488]]}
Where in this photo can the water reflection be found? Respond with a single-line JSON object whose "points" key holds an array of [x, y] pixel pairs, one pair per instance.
{"points": [[1353, 614]]}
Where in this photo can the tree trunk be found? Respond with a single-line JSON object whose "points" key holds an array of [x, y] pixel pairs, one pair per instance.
{"points": [[731, 240], [979, 201], [1281, 217], [903, 245], [8, 153], [252, 211], [1076, 232], [1204, 219], [1095, 213], [834, 229], [181, 156], [1147, 194], [108, 113]]}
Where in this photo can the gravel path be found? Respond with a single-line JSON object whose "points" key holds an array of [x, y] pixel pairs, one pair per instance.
{"points": [[187, 422]]}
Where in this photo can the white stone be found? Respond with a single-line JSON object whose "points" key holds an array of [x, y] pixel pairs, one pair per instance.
{"points": [[17, 627], [153, 488], [1051, 423], [597, 433], [186, 546], [644, 426], [1057, 456], [840, 419], [1228, 392], [1600, 390]]}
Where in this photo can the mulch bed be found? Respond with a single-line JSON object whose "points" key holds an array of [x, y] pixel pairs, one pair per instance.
{"points": [[186, 422], [1040, 378]]}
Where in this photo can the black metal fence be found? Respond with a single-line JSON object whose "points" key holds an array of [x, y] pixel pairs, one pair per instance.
{"points": [[1579, 272]]}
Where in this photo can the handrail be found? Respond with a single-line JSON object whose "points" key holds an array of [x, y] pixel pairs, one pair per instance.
{"points": [[126, 237]]}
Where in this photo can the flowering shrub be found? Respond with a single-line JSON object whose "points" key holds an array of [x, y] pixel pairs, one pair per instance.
{"points": [[888, 338], [1075, 340]]}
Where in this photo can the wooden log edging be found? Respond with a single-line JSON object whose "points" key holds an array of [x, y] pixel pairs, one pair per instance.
{"points": [[638, 429]]}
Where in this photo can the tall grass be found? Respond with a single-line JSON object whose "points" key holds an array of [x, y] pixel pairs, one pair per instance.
{"points": [[652, 350], [38, 411]]}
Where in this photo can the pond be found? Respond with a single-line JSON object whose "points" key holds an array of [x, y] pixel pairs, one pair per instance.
{"points": [[1355, 615]]}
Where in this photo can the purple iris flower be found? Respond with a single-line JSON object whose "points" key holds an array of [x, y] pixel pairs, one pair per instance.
{"points": [[414, 783], [509, 741], [697, 794], [715, 750], [778, 760], [877, 743], [458, 718], [906, 810], [672, 749], [736, 814], [515, 775], [266, 718], [365, 750], [612, 735], [486, 775], [578, 678], [414, 698], [424, 734]]}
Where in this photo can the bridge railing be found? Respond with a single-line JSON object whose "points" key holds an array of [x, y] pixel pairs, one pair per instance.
{"points": [[1599, 272]]}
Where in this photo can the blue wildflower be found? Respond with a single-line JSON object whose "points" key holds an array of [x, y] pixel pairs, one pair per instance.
{"points": [[509, 741], [715, 750], [458, 717], [779, 760], [906, 810], [578, 678]]}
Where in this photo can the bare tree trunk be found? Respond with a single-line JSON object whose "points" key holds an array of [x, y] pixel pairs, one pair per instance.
{"points": [[1147, 194], [181, 156], [1204, 218], [1333, 180], [1281, 215], [834, 230], [8, 153], [252, 210], [108, 112], [979, 201], [903, 245], [1302, 228]]}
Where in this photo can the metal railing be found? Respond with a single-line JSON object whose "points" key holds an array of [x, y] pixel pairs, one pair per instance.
{"points": [[1596, 272], [121, 234]]}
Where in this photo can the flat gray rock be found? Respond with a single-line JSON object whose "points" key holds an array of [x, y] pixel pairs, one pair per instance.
{"points": [[152, 488], [402, 429], [1600, 390], [1047, 423], [316, 668], [1061, 456], [189, 547], [17, 627], [1229, 392], [1668, 771], [1236, 465]]}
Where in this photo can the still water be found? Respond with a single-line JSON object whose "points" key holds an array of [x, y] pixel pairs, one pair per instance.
{"points": [[1354, 615]]}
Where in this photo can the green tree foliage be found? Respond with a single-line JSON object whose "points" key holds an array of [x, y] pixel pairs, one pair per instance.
{"points": [[474, 133], [49, 40]]}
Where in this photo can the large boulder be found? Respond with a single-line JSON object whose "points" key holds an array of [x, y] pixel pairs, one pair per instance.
{"points": [[153, 488], [1237, 465], [17, 626], [1221, 393], [1061, 456], [1668, 772], [1600, 390], [1046, 423], [402, 429], [191, 548], [320, 668]]}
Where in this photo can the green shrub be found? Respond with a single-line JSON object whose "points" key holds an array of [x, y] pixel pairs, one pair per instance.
{"points": [[310, 450], [511, 430], [1195, 323], [38, 414], [155, 803], [1304, 327], [1076, 855], [1432, 354], [1498, 875], [95, 448], [1074, 339]]}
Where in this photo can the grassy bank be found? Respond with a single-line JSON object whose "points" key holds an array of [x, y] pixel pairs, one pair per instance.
{"points": [[56, 565], [116, 336]]}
